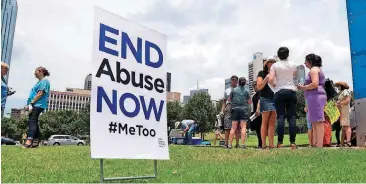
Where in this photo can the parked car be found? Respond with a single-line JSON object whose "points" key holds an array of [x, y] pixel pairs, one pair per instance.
{"points": [[64, 140], [7, 141]]}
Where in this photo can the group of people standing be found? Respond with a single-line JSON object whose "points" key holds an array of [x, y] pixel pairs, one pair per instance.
{"points": [[275, 101], [36, 103]]}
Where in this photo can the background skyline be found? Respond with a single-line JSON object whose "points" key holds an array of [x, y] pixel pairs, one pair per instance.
{"points": [[208, 40]]}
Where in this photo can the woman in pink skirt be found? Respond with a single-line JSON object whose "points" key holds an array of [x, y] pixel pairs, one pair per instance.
{"points": [[315, 97]]}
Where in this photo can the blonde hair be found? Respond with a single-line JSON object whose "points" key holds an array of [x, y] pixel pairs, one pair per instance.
{"points": [[4, 65]]}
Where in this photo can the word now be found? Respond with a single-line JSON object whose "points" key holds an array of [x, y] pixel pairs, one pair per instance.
{"points": [[123, 128], [126, 42], [139, 103], [141, 82]]}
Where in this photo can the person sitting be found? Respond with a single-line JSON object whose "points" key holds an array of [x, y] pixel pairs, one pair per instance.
{"points": [[188, 127]]}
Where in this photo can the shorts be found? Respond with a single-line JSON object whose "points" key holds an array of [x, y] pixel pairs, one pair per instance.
{"points": [[267, 105], [239, 115]]}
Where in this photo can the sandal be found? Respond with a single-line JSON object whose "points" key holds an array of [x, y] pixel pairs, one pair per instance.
{"points": [[293, 146], [36, 145], [349, 144], [279, 145]]}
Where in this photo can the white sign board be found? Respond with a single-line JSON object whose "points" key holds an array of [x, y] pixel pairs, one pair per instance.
{"points": [[128, 117]]}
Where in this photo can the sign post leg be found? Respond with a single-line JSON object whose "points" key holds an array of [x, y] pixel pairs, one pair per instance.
{"points": [[101, 171], [103, 179]]}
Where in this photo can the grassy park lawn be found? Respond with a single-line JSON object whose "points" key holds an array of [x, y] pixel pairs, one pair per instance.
{"points": [[72, 164]]}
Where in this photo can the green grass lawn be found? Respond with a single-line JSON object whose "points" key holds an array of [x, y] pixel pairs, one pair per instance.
{"points": [[187, 164], [301, 139]]}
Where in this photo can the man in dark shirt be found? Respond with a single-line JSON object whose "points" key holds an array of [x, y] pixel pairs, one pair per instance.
{"points": [[256, 124]]}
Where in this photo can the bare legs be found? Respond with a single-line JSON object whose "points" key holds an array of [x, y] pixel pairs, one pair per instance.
{"points": [[268, 128], [234, 126], [346, 134], [318, 134], [243, 125], [310, 137]]}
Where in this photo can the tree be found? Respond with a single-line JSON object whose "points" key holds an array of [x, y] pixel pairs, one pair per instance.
{"points": [[8, 127], [174, 113], [200, 108], [300, 105], [219, 106]]}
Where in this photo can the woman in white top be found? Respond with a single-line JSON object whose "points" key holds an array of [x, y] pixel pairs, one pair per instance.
{"points": [[281, 79]]}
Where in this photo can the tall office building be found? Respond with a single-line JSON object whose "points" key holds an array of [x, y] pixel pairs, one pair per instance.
{"points": [[9, 9], [87, 83], [186, 99], [253, 69]]}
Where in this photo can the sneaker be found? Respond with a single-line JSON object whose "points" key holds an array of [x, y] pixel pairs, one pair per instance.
{"points": [[237, 146], [279, 145], [243, 147], [224, 146], [229, 146]]}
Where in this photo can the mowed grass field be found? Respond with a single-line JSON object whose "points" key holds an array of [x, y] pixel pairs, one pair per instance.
{"points": [[72, 164]]}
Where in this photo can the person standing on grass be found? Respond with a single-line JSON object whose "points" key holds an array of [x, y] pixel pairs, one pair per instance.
{"points": [[266, 104], [5, 92], [217, 134], [281, 77], [315, 97], [240, 100], [188, 128], [344, 107], [226, 110], [256, 124], [310, 131], [36, 104]]}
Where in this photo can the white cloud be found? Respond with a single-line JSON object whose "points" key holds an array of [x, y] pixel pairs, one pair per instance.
{"points": [[208, 40]]}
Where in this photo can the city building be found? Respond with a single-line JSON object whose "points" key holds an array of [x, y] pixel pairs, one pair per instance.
{"points": [[9, 10], [17, 114], [87, 83], [186, 99], [195, 91], [72, 99], [173, 96], [253, 69]]}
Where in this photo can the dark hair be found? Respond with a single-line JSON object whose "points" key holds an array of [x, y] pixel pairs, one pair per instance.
{"points": [[283, 53], [342, 87], [44, 71], [314, 60], [265, 67], [242, 81], [234, 77]]}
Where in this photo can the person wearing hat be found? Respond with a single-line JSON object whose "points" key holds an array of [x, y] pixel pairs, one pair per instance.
{"points": [[343, 104], [226, 110], [188, 127], [240, 100], [266, 104]]}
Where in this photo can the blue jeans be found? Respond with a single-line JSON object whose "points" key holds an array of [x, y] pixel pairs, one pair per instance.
{"points": [[285, 102], [189, 133], [33, 127]]}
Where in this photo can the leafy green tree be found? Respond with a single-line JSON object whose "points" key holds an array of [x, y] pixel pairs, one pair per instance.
{"points": [[200, 108], [174, 113], [8, 127]]}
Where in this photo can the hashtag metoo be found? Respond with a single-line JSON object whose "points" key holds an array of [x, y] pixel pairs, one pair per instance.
{"points": [[123, 128]]}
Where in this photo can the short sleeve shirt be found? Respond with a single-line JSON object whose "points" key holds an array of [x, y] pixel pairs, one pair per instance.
{"points": [[42, 85], [4, 92], [240, 97], [266, 92], [186, 123]]}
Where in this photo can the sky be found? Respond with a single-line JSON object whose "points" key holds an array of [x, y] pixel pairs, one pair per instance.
{"points": [[208, 40]]}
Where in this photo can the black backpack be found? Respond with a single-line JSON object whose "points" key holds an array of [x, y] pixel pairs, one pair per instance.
{"points": [[330, 89]]}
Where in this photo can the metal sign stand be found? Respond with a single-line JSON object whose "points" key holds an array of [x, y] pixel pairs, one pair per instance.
{"points": [[103, 179]]}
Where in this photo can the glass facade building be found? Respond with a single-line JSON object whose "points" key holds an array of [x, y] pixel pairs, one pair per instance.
{"points": [[9, 10]]}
